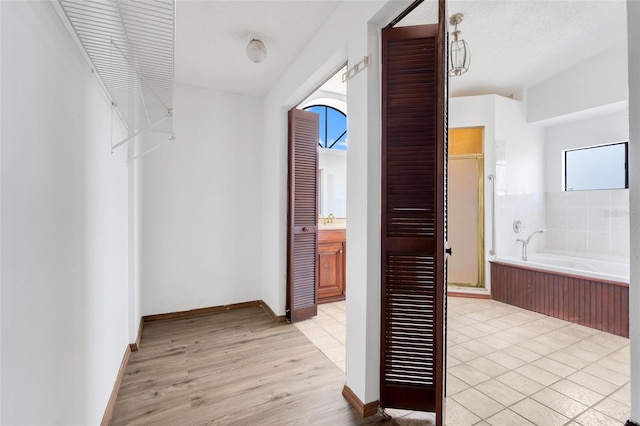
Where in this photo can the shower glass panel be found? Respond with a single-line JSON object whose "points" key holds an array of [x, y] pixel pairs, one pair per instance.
{"points": [[466, 207], [464, 226]]}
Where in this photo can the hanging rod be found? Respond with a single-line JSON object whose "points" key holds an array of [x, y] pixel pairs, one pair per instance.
{"points": [[130, 46]]}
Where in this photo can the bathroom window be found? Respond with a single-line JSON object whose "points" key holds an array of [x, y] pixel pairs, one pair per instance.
{"points": [[333, 127], [596, 167]]}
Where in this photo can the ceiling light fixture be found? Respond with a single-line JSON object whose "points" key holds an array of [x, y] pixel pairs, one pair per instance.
{"points": [[459, 54], [256, 50]]}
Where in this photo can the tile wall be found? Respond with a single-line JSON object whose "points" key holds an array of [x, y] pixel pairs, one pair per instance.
{"points": [[529, 208], [591, 224]]}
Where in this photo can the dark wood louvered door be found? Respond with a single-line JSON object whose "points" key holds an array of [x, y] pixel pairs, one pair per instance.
{"points": [[302, 218], [413, 218]]}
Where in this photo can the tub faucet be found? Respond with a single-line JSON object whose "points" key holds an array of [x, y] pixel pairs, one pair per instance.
{"points": [[525, 243]]}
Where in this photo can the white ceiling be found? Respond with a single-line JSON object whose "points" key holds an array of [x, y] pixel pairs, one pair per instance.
{"points": [[514, 43], [212, 35]]}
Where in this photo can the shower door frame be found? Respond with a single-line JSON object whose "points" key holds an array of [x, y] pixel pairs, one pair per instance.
{"points": [[480, 217]]}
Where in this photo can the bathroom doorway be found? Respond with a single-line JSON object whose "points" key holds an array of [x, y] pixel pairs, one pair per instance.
{"points": [[329, 101], [466, 207], [327, 329]]}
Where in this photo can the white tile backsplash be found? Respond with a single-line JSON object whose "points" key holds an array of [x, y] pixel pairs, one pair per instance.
{"points": [[597, 242], [619, 199], [598, 198], [557, 238], [598, 220], [589, 223], [558, 218], [577, 241], [577, 218], [529, 209], [576, 198], [556, 199], [619, 244], [619, 224]]}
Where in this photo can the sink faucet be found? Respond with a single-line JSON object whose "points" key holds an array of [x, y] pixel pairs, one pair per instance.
{"points": [[525, 243], [328, 219]]}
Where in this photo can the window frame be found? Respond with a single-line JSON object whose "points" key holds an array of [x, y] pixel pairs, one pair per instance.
{"points": [[326, 125], [626, 166]]}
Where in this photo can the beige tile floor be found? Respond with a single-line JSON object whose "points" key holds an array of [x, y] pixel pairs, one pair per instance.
{"points": [[507, 366]]}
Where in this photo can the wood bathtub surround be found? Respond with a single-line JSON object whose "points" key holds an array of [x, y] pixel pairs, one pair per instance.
{"points": [[603, 305]]}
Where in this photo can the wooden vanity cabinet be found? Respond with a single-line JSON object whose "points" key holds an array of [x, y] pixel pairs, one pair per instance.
{"points": [[332, 252]]}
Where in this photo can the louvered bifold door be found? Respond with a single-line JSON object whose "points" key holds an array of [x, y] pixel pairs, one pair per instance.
{"points": [[413, 261], [302, 217]]}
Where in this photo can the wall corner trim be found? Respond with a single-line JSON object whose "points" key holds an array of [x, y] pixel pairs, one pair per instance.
{"points": [[365, 410], [208, 311], [108, 412], [271, 313], [136, 345], [469, 295], [200, 311]]}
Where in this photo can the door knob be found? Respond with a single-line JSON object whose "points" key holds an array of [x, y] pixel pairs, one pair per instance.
{"points": [[305, 229]]}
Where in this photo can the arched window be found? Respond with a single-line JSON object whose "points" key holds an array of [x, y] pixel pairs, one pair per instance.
{"points": [[333, 127]]}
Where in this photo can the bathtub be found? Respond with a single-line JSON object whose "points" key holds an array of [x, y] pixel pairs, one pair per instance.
{"points": [[589, 292], [591, 268]]}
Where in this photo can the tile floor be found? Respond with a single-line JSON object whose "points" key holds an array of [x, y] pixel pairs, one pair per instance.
{"points": [[508, 366]]}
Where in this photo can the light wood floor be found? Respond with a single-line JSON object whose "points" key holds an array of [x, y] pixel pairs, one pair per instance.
{"points": [[237, 367]]}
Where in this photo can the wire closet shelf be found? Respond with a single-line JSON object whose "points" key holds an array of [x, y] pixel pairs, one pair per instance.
{"points": [[130, 45]]}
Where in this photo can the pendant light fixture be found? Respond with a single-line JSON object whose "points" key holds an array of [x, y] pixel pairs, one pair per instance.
{"points": [[256, 50], [459, 54]]}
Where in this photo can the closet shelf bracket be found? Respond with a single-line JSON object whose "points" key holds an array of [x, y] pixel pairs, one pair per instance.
{"points": [[146, 129], [130, 47]]}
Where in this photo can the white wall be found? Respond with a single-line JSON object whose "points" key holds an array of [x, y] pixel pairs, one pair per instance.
{"points": [[479, 111], [201, 205], [519, 178], [363, 223], [513, 152], [633, 17], [321, 97], [605, 129], [586, 223], [0, 216], [333, 194], [134, 225], [346, 34], [321, 58], [604, 74], [63, 227]]}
